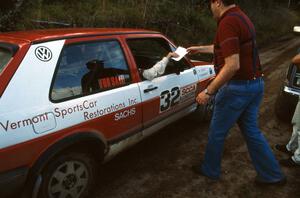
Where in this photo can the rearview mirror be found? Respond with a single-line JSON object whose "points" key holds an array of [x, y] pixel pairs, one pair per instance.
{"points": [[297, 29]]}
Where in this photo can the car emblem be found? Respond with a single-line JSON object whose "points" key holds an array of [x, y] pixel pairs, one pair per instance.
{"points": [[43, 53]]}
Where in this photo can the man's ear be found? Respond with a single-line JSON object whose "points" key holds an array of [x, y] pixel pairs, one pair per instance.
{"points": [[219, 3]]}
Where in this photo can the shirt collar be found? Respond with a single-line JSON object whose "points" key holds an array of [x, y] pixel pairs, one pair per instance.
{"points": [[234, 9]]}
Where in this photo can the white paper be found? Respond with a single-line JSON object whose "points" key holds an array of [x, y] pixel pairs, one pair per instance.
{"points": [[181, 51]]}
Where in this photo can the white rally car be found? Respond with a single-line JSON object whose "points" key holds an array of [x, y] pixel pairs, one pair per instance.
{"points": [[71, 99]]}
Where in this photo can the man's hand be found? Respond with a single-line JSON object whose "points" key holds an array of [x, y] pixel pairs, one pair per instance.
{"points": [[203, 98], [193, 49]]}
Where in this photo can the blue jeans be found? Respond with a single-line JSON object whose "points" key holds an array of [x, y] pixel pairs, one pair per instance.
{"points": [[238, 102]]}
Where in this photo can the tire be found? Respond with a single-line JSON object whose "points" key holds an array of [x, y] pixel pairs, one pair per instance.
{"points": [[285, 105], [71, 175]]}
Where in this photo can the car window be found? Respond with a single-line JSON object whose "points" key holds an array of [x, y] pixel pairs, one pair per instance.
{"points": [[148, 51], [89, 68], [5, 56]]}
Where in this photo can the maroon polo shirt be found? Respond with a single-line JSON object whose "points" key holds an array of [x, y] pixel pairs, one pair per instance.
{"points": [[233, 37]]}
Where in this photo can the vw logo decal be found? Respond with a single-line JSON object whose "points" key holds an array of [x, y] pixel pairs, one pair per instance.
{"points": [[43, 53]]}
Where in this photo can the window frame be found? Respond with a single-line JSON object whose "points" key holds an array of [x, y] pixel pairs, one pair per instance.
{"points": [[12, 49], [172, 47], [94, 92], [9, 55]]}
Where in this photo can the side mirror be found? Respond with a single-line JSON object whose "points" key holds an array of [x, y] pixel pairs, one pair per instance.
{"points": [[297, 29]]}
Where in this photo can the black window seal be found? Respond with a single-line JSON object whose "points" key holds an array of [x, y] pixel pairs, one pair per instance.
{"points": [[95, 92], [12, 48]]}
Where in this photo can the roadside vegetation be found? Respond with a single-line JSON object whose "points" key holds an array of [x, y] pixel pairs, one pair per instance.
{"points": [[186, 22]]}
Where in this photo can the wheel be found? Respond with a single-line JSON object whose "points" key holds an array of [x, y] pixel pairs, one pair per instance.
{"points": [[71, 175], [285, 105]]}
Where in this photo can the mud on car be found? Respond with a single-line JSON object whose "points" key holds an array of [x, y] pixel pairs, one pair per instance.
{"points": [[60, 118]]}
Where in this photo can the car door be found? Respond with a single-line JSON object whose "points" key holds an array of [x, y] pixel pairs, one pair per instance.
{"points": [[168, 94], [92, 86]]}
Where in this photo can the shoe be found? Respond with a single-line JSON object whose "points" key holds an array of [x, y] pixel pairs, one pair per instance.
{"points": [[261, 183], [289, 163], [198, 171], [282, 148]]}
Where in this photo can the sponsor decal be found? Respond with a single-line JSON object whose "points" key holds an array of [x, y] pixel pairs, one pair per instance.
{"points": [[125, 114], [188, 92], [64, 112], [114, 81], [102, 111], [113, 108], [13, 125], [89, 109], [204, 72], [43, 53]]}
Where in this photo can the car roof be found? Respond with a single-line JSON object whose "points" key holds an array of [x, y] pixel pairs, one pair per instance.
{"points": [[36, 36]]}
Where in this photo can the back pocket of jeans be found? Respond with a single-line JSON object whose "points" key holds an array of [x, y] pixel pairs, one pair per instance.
{"points": [[239, 102]]}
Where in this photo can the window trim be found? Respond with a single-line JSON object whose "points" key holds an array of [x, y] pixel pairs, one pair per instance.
{"points": [[10, 47], [154, 37], [94, 92]]}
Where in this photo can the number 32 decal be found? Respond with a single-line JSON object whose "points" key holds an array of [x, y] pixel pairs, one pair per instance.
{"points": [[169, 98]]}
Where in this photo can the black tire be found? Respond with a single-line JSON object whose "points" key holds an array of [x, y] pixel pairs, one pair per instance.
{"points": [[71, 175], [285, 105]]}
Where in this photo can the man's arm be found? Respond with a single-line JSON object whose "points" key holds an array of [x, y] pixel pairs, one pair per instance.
{"points": [[159, 68], [232, 65], [206, 49]]}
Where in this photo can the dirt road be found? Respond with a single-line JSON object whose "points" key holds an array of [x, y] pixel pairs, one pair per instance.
{"points": [[159, 167]]}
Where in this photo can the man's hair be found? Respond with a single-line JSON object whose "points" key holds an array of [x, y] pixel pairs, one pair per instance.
{"points": [[226, 2]]}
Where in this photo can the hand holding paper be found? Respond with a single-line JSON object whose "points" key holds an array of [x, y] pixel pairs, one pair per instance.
{"points": [[181, 52]]}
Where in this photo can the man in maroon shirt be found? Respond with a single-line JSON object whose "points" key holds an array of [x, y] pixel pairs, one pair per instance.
{"points": [[239, 90]]}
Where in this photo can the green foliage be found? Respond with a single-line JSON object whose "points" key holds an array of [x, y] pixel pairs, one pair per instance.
{"points": [[9, 14], [186, 22]]}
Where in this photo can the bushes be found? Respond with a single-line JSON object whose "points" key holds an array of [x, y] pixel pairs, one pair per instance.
{"points": [[9, 14], [272, 19], [279, 25], [185, 22]]}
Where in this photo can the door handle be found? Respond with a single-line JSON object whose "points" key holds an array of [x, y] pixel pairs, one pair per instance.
{"points": [[150, 89]]}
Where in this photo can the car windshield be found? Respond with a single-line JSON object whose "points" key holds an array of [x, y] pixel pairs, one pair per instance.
{"points": [[5, 56]]}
